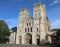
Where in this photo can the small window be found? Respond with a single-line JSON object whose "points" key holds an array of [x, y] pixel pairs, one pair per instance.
{"points": [[46, 37], [29, 24], [48, 29], [25, 29], [31, 29], [28, 29], [37, 29]]}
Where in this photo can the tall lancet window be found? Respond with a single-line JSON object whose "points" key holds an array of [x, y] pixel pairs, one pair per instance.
{"points": [[37, 29], [25, 29], [28, 29], [27, 24], [31, 29]]}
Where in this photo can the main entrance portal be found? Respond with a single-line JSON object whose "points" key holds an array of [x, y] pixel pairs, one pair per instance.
{"points": [[28, 38]]}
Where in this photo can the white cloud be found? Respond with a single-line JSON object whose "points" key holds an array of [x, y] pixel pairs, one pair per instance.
{"points": [[56, 24], [54, 2]]}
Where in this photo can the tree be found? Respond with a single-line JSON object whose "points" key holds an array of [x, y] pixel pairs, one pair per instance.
{"points": [[4, 32], [58, 37]]}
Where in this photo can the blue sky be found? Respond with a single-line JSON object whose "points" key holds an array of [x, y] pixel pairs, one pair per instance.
{"points": [[9, 11]]}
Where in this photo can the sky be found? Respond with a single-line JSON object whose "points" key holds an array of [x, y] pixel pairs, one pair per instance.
{"points": [[9, 11]]}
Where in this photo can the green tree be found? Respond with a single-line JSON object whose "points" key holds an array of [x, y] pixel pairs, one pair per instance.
{"points": [[58, 37], [4, 32]]}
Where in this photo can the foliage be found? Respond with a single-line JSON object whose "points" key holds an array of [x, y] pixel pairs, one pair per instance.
{"points": [[4, 31], [58, 37]]}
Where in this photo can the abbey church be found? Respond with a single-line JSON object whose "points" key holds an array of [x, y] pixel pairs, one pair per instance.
{"points": [[32, 30]]}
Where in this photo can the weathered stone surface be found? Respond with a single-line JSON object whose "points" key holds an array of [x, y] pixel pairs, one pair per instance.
{"points": [[32, 31]]}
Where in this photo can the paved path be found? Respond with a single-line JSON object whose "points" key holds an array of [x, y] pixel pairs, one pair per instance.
{"points": [[14, 45]]}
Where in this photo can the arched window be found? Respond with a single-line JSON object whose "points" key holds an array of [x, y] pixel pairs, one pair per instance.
{"points": [[25, 29], [28, 29], [37, 29], [31, 29], [27, 24]]}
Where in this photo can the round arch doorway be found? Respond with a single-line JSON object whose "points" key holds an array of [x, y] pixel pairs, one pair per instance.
{"points": [[37, 39], [28, 38]]}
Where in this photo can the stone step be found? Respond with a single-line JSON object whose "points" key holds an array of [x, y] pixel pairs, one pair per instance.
{"points": [[15, 45]]}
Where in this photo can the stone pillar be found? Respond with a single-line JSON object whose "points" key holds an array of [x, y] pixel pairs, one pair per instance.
{"points": [[22, 40], [17, 39], [17, 36], [34, 40]]}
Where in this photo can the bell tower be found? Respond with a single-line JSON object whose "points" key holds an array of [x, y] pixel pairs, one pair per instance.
{"points": [[23, 15], [39, 22]]}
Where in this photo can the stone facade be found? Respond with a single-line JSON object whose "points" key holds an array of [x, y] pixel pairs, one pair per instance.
{"points": [[34, 30], [12, 38]]}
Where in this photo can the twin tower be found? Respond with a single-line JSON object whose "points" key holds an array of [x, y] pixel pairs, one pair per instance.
{"points": [[33, 30]]}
